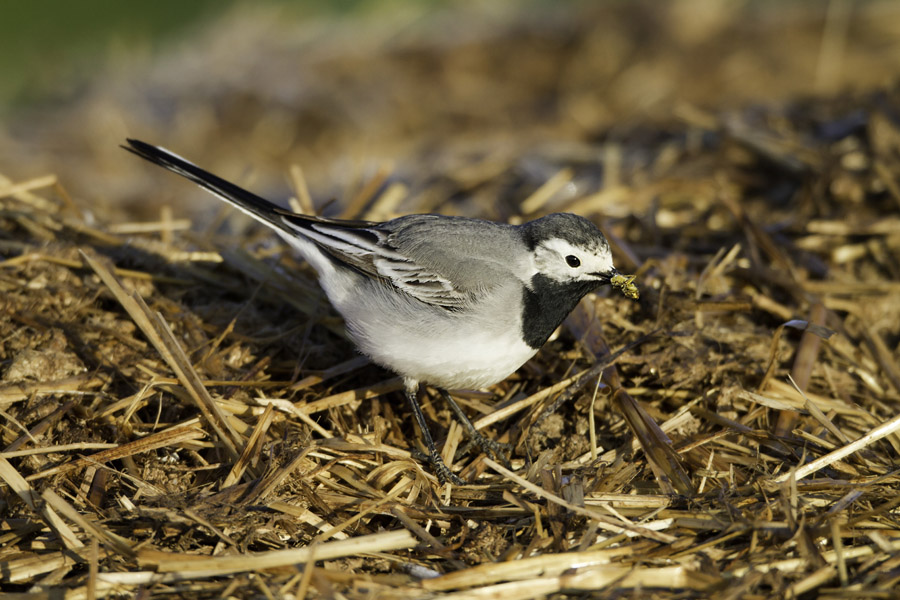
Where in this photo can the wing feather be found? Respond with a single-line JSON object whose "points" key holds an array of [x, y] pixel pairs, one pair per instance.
{"points": [[368, 249]]}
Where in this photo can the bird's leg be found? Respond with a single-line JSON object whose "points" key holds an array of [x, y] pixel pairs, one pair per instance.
{"points": [[492, 448], [443, 472]]}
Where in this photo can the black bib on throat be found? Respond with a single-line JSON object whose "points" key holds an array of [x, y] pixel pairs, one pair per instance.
{"points": [[547, 303]]}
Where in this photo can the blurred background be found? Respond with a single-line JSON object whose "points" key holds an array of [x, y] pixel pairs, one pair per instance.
{"points": [[742, 157], [465, 107]]}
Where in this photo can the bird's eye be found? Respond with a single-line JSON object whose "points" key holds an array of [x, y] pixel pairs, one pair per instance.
{"points": [[573, 261]]}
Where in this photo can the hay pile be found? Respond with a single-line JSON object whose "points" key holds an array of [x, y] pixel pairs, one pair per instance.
{"points": [[183, 416]]}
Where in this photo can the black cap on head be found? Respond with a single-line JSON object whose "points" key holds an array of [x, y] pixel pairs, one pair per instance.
{"points": [[572, 228]]}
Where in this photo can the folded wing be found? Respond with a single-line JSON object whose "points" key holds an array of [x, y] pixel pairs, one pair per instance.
{"points": [[367, 247]]}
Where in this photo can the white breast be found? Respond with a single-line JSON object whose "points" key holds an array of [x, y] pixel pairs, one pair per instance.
{"points": [[469, 348]]}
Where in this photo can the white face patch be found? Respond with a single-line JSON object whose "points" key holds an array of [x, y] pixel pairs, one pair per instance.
{"points": [[564, 262]]}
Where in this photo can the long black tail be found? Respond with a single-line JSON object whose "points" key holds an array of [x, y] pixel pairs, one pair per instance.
{"points": [[248, 202]]}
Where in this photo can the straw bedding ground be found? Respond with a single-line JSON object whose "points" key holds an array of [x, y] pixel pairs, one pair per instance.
{"points": [[183, 416]]}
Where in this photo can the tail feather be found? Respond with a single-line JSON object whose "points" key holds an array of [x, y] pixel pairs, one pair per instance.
{"points": [[257, 207], [320, 240]]}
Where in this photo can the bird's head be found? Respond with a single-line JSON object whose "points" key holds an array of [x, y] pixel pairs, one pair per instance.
{"points": [[569, 249]]}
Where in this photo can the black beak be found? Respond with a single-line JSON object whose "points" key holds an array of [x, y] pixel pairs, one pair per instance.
{"points": [[605, 277]]}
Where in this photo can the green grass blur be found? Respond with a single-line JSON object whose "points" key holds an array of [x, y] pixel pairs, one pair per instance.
{"points": [[48, 46]]}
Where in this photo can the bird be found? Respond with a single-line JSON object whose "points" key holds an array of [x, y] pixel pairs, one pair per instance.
{"points": [[445, 301]]}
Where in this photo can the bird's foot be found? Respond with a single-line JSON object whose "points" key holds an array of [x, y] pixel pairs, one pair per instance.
{"points": [[497, 451], [440, 468]]}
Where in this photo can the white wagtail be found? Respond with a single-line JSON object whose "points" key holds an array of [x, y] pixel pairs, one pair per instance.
{"points": [[452, 302]]}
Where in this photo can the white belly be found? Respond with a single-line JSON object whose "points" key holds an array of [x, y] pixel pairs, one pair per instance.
{"points": [[466, 349], [452, 362]]}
